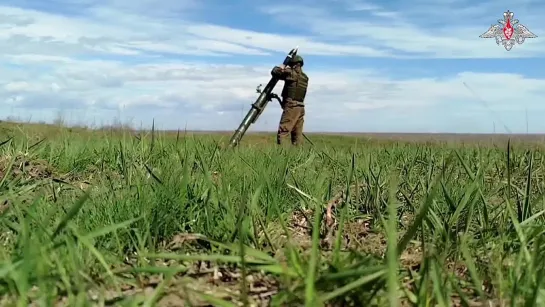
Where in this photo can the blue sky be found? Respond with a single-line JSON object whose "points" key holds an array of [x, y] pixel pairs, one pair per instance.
{"points": [[374, 66]]}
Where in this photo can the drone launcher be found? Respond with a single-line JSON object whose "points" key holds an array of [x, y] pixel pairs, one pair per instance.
{"points": [[259, 105]]}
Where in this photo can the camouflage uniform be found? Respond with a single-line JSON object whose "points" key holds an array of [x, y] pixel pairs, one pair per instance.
{"points": [[293, 97]]}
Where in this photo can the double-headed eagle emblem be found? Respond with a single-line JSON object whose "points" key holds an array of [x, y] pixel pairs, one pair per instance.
{"points": [[508, 32]]}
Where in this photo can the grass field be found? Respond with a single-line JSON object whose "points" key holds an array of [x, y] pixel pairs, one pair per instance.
{"points": [[174, 219]]}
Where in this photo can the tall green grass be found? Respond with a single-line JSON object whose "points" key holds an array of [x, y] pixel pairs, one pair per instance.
{"points": [[94, 217]]}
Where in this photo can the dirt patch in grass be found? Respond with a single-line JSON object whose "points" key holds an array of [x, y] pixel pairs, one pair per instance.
{"points": [[199, 285], [201, 280], [204, 279], [29, 173], [23, 170], [357, 235], [26, 167]]}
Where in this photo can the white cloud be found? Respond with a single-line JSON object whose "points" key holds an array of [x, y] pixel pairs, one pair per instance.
{"points": [[433, 30], [450, 32], [221, 92], [112, 60], [110, 31]]}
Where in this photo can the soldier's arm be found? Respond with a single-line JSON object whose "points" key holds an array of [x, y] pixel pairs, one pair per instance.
{"points": [[284, 73]]}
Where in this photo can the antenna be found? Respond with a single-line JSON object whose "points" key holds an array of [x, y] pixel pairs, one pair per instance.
{"points": [[486, 106], [526, 109]]}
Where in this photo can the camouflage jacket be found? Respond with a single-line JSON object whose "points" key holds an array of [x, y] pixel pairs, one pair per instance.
{"points": [[295, 85]]}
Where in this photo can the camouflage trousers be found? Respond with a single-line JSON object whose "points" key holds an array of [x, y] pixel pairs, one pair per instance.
{"points": [[291, 125]]}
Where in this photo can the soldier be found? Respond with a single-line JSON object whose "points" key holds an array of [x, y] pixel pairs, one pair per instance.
{"points": [[293, 98]]}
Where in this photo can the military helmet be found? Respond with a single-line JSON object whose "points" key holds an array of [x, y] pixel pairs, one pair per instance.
{"points": [[297, 59]]}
